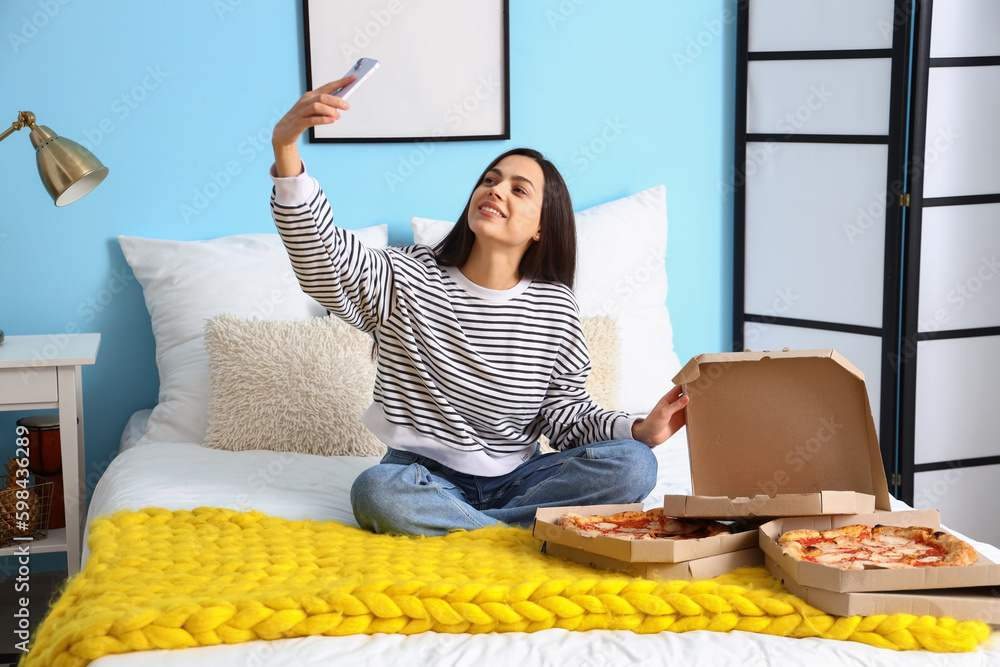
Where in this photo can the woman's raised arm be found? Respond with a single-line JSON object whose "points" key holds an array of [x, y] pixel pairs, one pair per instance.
{"points": [[317, 107]]}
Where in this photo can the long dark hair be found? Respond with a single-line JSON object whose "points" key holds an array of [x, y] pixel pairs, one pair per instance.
{"points": [[550, 259]]}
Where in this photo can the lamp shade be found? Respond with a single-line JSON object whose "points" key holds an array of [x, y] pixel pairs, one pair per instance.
{"points": [[68, 170]]}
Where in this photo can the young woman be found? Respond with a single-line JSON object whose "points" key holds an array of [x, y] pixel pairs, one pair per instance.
{"points": [[480, 350]]}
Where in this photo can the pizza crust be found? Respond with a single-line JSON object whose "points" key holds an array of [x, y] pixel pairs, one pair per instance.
{"points": [[958, 552]]}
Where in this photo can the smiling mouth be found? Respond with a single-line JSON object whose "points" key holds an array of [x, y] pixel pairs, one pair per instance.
{"points": [[486, 208]]}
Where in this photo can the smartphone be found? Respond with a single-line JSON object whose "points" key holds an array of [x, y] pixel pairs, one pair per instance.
{"points": [[362, 70]]}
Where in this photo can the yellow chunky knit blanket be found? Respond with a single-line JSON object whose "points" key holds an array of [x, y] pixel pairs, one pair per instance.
{"points": [[160, 579]]}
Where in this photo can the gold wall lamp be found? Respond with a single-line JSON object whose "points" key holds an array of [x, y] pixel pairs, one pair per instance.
{"points": [[68, 170]]}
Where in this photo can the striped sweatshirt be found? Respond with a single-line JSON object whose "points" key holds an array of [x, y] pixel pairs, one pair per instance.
{"points": [[467, 376]]}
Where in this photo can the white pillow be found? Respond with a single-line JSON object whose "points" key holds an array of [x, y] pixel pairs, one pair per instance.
{"points": [[185, 283], [621, 273]]}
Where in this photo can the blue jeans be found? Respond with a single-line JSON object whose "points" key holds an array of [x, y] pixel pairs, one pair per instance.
{"points": [[414, 495]]}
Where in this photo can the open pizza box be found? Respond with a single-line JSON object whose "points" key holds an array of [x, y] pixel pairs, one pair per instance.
{"points": [[547, 529], [962, 604], [828, 578], [778, 434], [689, 570]]}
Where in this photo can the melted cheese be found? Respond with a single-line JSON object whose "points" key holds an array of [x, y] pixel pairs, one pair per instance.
{"points": [[882, 551]]}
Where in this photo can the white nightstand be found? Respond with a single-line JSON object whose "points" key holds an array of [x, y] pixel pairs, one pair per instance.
{"points": [[43, 372]]}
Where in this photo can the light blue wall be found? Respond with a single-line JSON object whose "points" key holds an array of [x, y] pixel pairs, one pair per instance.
{"points": [[168, 93]]}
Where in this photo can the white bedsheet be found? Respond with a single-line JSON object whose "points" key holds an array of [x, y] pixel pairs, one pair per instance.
{"points": [[295, 486]]}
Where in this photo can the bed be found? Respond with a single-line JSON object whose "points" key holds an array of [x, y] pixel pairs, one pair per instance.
{"points": [[224, 434]]}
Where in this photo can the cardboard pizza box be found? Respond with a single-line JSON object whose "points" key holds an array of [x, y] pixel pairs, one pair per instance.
{"points": [[785, 504], [689, 570], [962, 604], [825, 577], [547, 529], [777, 434]]}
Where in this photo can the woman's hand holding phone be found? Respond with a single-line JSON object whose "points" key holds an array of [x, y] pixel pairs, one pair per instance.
{"points": [[317, 107]]}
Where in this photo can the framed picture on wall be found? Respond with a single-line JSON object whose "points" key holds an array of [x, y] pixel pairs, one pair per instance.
{"points": [[443, 74]]}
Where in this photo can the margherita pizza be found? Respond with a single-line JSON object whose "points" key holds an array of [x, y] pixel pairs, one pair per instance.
{"points": [[865, 547], [634, 525]]}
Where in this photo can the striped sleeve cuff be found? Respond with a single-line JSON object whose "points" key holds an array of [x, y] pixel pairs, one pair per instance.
{"points": [[293, 190], [623, 427]]}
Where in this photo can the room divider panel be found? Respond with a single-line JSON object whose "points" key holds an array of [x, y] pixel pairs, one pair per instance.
{"points": [[867, 219], [950, 354], [819, 172]]}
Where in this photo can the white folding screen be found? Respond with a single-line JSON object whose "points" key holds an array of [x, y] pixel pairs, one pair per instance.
{"points": [[965, 28], [954, 491], [819, 155], [816, 25], [951, 313], [959, 260], [962, 103], [818, 255], [818, 96], [867, 219]]}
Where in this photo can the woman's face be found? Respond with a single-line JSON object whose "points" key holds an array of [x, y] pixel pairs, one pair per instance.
{"points": [[506, 207]]}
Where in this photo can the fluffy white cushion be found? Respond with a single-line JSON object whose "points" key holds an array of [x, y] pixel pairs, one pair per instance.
{"points": [[605, 379], [621, 273], [289, 386], [302, 385], [185, 283], [604, 382]]}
